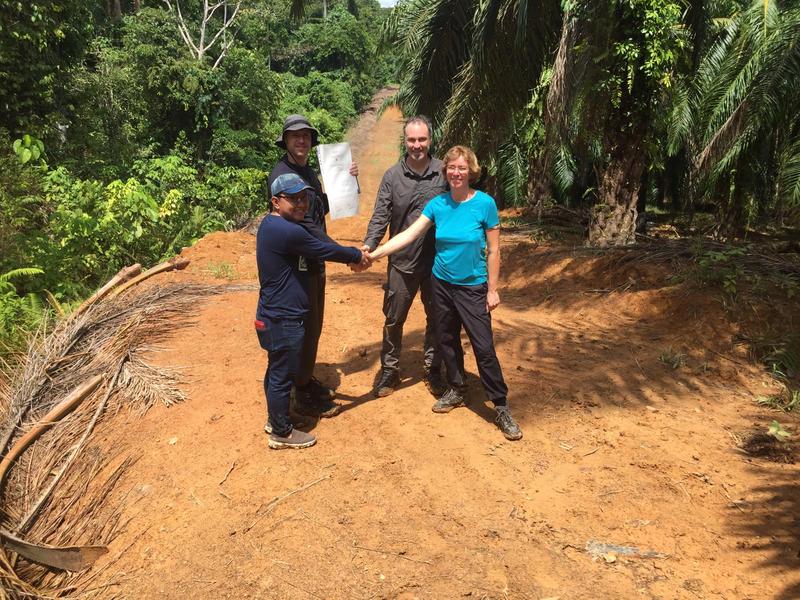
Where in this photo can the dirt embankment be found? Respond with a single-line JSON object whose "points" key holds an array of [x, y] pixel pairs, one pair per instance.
{"points": [[632, 398]]}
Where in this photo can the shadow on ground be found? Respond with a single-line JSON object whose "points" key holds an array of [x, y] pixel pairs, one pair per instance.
{"points": [[769, 523]]}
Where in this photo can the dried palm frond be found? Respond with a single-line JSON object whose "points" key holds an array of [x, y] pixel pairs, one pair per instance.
{"points": [[58, 489]]}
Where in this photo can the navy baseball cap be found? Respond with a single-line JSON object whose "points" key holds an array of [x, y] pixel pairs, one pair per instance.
{"points": [[289, 183]]}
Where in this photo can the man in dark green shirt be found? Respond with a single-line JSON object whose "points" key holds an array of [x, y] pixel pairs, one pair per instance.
{"points": [[298, 138], [405, 189]]}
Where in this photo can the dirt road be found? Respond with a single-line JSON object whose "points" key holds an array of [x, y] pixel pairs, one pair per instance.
{"points": [[398, 502]]}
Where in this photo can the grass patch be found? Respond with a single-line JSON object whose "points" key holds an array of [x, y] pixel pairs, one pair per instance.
{"points": [[221, 270], [673, 359]]}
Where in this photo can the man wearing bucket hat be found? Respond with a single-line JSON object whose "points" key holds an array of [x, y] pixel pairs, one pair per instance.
{"points": [[283, 248], [297, 138]]}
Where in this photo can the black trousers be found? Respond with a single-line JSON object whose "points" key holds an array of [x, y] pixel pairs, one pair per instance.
{"points": [[313, 325], [464, 306], [399, 293]]}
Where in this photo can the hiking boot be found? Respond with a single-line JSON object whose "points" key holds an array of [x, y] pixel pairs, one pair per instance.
{"points": [[304, 403], [435, 382], [449, 400], [319, 391], [295, 439], [507, 424], [388, 382]]}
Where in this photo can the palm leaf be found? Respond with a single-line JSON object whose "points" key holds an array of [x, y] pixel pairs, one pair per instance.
{"points": [[789, 174], [22, 272]]}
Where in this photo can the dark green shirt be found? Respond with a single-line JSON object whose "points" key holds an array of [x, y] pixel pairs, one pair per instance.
{"points": [[401, 197]]}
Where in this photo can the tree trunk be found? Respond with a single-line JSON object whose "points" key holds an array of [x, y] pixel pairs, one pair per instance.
{"points": [[641, 203], [613, 220], [116, 13], [539, 184], [137, 4], [732, 220]]}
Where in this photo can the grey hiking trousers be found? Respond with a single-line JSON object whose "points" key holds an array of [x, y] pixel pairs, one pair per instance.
{"points": [[399, 292]]}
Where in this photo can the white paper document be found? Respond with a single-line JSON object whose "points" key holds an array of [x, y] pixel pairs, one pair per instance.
{"points": [[341, 187]]}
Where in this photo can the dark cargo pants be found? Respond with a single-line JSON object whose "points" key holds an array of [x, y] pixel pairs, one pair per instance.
{"points": [[313, 325], [399, 293]]}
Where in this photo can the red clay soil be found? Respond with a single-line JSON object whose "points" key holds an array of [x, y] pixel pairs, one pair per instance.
{"points": [[395, 501]]}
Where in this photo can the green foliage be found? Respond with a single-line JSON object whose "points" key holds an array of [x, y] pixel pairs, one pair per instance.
{"points": [[80, 231], [738, 119], [673, 358], [5, 278], [28, 148], [777, 431], [18, 314], [721, 267], [649, 42], [335, 43], [39, 41], [781, 355], [788, 400]]}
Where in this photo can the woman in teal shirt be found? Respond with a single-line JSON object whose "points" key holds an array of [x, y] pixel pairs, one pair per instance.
{"points": [[466, 270]]}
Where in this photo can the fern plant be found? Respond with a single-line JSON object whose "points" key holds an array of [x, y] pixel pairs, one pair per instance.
{"points": [[19, 315]]}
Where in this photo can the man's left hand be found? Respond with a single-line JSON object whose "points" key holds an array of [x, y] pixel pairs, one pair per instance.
{"points": [[353, 169]]}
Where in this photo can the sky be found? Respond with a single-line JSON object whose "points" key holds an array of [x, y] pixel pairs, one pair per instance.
{"points": [[388, 2]]}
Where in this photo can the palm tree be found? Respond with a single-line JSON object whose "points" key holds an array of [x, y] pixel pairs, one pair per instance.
{"points": [[740, 118], [473, 65], [615, 64], [699, 94]]}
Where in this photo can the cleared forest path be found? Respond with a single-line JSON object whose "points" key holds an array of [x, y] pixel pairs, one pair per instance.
{"points": [[395, 501]]}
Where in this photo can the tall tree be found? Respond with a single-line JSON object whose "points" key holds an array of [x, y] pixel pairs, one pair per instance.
{"points": [[40, 40], [613, 61], [209, 30], [629, 51]]}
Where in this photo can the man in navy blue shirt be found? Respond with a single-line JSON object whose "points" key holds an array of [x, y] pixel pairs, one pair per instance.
{"points": [[283, 249]]}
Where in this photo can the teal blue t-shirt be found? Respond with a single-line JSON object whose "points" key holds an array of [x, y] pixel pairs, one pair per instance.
{"points": [[461, 236]]}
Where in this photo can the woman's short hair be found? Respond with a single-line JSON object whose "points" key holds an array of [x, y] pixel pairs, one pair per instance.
{"points": [[468, 155]]}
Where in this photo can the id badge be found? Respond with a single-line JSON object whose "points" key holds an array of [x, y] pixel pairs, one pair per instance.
{"points": [[302, 263]]}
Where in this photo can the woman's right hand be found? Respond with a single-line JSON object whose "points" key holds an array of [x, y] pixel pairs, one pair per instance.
{"points": [[492, 301]]}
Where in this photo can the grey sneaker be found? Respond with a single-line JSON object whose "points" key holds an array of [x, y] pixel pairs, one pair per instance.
{"points": [[295, 439], [388, 382], [296, 422], [507, 424], [449, 400], [435, 382]]}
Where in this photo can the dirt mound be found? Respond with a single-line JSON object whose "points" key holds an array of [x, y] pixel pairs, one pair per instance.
{"points": [[632, 397]]}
